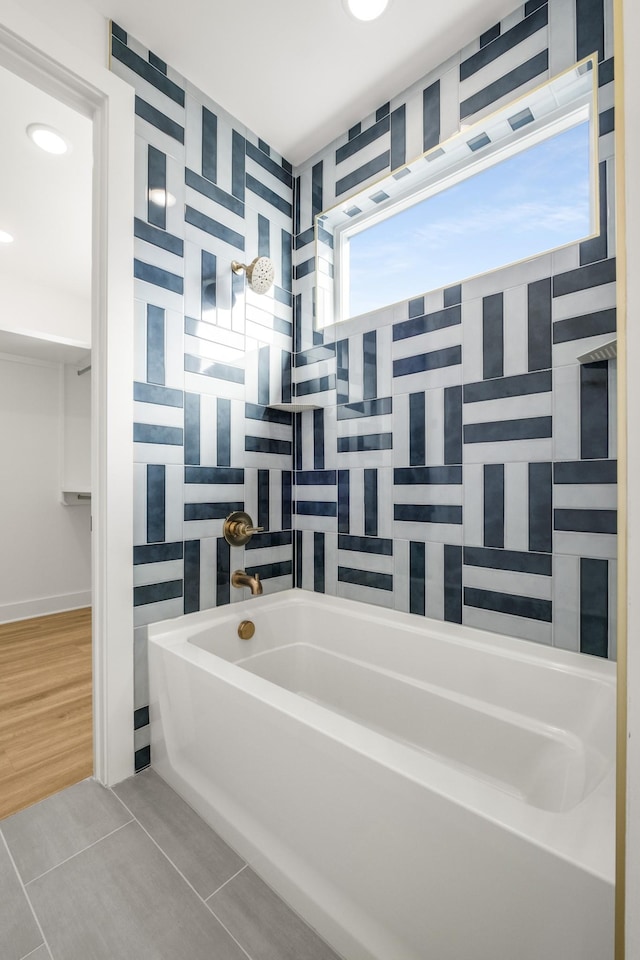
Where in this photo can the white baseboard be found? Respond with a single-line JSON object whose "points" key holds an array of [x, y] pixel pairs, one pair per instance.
{"points": [[43, 606]]}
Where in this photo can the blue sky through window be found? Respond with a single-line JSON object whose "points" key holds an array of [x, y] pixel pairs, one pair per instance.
{"points": [[533, 201]]}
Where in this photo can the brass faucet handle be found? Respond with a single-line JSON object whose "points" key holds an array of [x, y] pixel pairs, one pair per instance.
{"points": [[238, 528], [248, 530]]}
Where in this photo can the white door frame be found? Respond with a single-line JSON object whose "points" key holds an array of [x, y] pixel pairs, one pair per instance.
{"points": [[89, 88]]}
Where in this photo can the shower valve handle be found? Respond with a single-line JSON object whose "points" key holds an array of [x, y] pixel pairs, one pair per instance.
{"points": [[238, 528]]}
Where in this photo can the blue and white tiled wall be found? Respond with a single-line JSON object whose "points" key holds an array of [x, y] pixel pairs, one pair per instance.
{"points": [[461, 462], [210, 355]]}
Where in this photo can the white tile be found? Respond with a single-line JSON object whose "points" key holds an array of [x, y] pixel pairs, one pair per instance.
{"points": [[516, 513], [516, 331], [583, 302], [474, 505], [519, 627], [157, 453], [497, 69], [140, 668], [568, 353], [331, 564], [401, 430], [566, 413], [435, 427], [139, 503], [146, 573], [401, 585], [508, 408], [157, 413], [508, 581], [199, 383], [585, 496], [354, 591], [153, 612], [566, 258], [174, 509], [472, 342], [385, 503], [433, 493], [449, 102], [598, 545], [428, 532], [511, 451], [566, 603], [503, 278], [208, 572], [562, 34]]}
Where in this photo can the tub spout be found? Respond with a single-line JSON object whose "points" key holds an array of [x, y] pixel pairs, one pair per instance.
{"points": [[239, 578]]}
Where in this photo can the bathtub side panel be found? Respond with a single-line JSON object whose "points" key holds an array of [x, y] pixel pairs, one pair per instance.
{"points": [[381, 866]]}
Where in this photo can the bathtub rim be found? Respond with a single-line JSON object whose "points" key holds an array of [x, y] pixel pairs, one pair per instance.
{"points": [[568, 834]]}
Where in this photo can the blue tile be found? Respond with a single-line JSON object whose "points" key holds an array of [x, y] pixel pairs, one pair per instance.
{"points": [[159, 238], [540, 507], [493, 505], [452, 583], [431, 116], [158, 277], [163, 396], [213, 192], [156, 182], [594, 410], [147, 71], [191, 576], [594, 607], [156, 493], [159, 120], [363, 139], [585, 521], [269, 195], [155, 344], [156, 592], [214, 228], [153, 433], [515, 606], [506, 84], [499, 431], [365, 578], [374, 545], [417, 578], [365, 172], [589, 28], [507, 41]]}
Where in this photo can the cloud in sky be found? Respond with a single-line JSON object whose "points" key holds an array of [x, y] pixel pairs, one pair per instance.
{"points": [[532, 202]]}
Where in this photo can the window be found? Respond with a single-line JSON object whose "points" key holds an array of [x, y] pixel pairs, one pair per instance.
{"points": [[516, 185]]}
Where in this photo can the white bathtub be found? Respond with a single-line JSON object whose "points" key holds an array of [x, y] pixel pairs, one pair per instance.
{"points": [[414, 789]]}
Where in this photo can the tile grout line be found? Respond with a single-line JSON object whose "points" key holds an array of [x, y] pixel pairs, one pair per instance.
{"points": [[78, 852], [189, 884], [35, 951], [218, 889], [28, 899]]}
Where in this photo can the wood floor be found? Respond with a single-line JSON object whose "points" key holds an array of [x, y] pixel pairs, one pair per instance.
{"points": [[46, 726]]}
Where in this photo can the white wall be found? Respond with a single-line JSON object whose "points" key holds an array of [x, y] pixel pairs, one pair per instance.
{"points": [[76, 462], [45, 559], [37, 310]]}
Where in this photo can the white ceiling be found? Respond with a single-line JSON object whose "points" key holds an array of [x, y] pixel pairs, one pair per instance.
{"points": [[45, 200], [298, 73]]}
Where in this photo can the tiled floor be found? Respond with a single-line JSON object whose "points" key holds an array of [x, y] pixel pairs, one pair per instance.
{"points": [[134, 874]]}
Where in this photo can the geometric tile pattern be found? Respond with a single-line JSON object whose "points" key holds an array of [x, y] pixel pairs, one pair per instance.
{"points": [[459, 462], [462, 464], [210, 355]]}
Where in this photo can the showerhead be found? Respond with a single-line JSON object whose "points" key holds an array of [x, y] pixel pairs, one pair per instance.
{"points": [[260, 273]]}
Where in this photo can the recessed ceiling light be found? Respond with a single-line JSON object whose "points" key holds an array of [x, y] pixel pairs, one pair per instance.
{"points": [[162, 198], [366, 9], [5, 237], [48, 138]]}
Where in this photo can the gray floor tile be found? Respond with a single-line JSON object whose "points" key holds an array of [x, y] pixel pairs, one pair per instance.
{"points": [[44, 835], [121, 898], [19, 932], [40, 954], [264, 924], [197, 851]]}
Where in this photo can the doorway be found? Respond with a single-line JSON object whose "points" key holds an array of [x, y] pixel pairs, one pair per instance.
{"points": [[46, 725]]}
